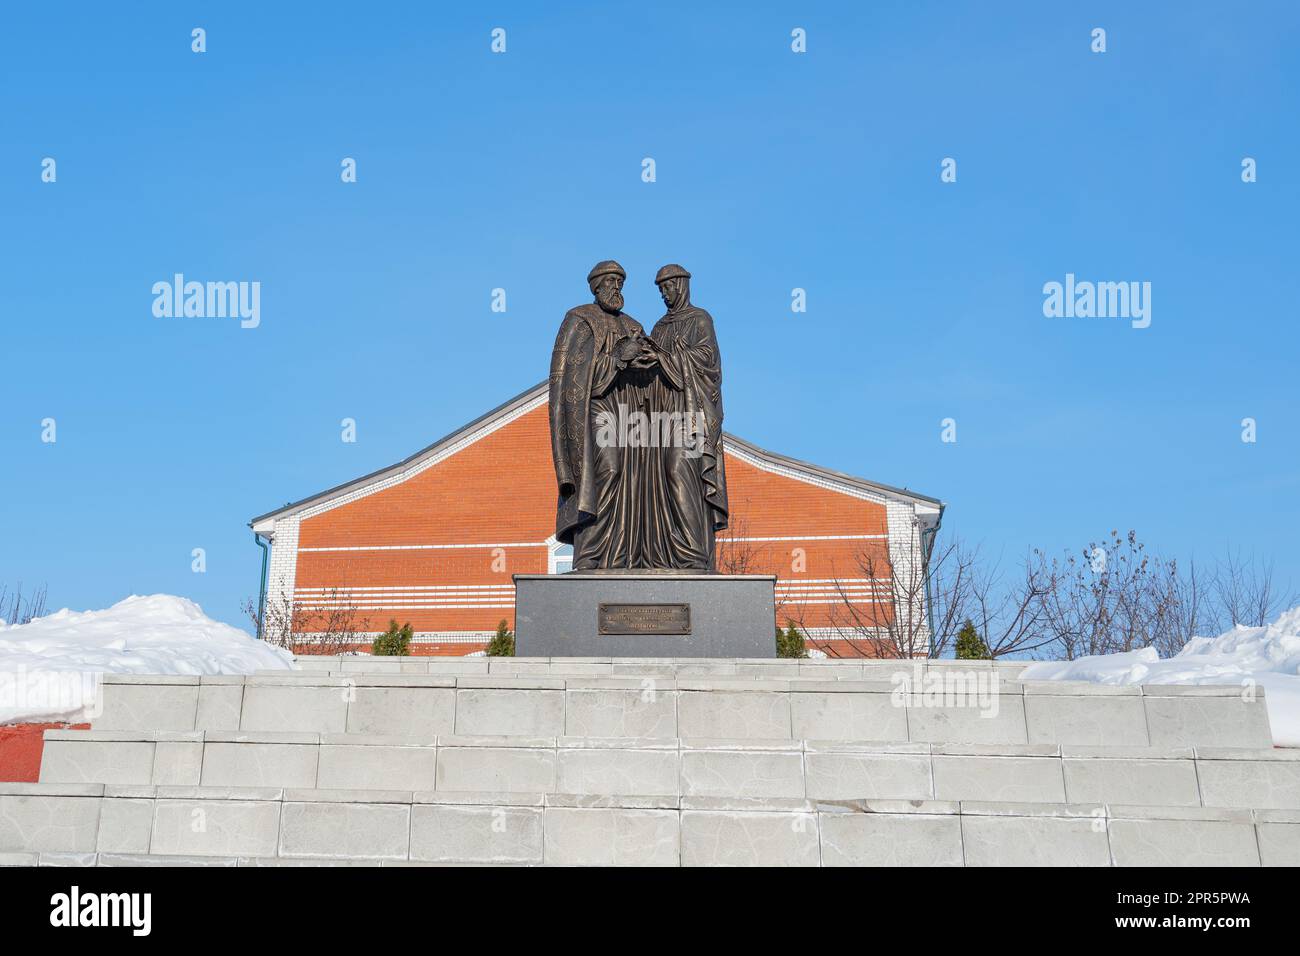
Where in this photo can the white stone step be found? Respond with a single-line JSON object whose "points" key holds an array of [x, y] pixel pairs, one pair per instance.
{"points": [[828, 770], [228, 826], [146, 859], [970, 710], [763, 668]]}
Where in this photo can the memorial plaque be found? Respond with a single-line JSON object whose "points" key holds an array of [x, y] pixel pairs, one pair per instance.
{"points": [[644, 619]]}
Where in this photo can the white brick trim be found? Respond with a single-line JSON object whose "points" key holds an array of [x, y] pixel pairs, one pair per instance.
{"points": [[429, 547], [821, 481]]}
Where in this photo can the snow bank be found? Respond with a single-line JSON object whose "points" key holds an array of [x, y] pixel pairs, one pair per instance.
{"points": [[1269, 655], [49, 668]]}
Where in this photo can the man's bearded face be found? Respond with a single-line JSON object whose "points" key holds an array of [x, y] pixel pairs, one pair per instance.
{"points": [[609, 293]]}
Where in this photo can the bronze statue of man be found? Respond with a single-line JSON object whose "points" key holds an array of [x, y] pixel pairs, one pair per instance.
{"points": [[598, 374], [688, 484]]}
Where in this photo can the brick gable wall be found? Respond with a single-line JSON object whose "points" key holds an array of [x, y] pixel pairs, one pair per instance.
{"points": [[424, 550]]}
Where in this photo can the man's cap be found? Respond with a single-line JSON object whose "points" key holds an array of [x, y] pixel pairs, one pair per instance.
{"points": [[608, 267], [671, 271]]}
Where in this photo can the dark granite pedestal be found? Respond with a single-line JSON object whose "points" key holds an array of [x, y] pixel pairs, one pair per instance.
{"points": [[650, 614]]}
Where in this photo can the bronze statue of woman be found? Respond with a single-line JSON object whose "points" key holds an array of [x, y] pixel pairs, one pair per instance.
{"points": [[686, 490]]}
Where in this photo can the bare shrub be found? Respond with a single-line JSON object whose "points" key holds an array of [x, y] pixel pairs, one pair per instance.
{"points": [[1246, 592], [921, 607], [898, 612], [330, 624], [735, 553], [16, 609], [1194, 611], [738, 553], [1115, 596], [1009, 611], [1112, 596]]}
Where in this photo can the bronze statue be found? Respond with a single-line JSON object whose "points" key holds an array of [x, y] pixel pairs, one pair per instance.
{"points": [[691, 504], [636, 431]]}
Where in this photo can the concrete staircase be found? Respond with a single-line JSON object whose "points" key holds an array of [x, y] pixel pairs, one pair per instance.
{"points": [[360, 761]]}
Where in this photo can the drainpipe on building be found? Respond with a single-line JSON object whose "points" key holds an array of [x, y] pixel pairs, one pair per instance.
{"points": [[261, 591], [927, 548]]}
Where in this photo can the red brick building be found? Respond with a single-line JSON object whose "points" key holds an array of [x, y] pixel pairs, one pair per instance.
{"points": [[407, 543]]}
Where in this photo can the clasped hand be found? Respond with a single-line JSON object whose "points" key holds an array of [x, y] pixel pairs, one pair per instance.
{"points": [[641, 353]]}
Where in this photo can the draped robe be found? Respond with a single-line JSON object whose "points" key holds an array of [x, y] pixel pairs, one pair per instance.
{"points": [[600, 508], [686, 485]]}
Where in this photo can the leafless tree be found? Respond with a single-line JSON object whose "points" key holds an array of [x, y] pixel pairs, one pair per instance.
{"points": [[1010, 614], [1194, 611], [1112, 596], [1246, 591], [330, 624], [895, 611], [1115, 596], [735, 552], [15, 609], [738, 553]]}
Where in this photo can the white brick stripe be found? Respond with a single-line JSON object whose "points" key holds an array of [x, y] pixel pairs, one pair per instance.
{"points": [[800, 582], [812, 537], [429, 547], [408, 588], [397, 605], [419, 637], [543, 544]]}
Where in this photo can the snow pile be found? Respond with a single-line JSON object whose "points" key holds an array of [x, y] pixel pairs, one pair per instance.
{"points": [[1269, 656], [49, 668]]}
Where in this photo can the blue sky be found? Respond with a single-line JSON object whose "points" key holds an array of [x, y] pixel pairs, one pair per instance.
{"points": [[775, 170]]}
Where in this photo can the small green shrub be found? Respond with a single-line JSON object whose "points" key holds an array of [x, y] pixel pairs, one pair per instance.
{"points": [[789, 643], [394, 642], [502, 643], [970, 646]]}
